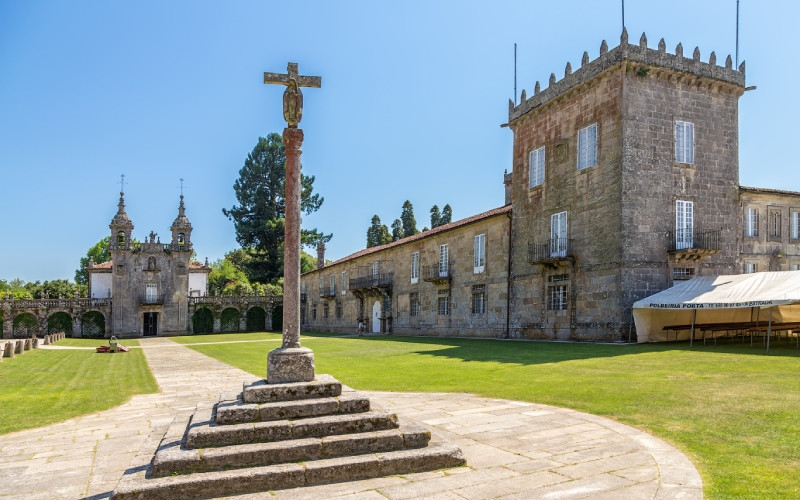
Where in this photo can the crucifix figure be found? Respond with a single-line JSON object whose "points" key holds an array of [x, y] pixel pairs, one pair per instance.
{"points": [[291, 363], [293, 97]]}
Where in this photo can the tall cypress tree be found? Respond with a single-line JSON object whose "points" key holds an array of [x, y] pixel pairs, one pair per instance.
{"points": [[407, 218]]}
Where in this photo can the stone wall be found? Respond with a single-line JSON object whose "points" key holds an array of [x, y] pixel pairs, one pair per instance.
{"points": [[773, 248], [394, 290]]}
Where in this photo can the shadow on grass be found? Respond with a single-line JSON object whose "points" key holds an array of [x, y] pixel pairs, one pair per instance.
{"points": [[528, 352]]}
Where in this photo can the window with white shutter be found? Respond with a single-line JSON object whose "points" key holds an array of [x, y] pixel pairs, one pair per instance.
{"points": [[587, 146], [795, 222], [558, 235], [751, 222], [684, 142], [479, 254], [536, 174], [415, 267], [443, 261], [684, 224]]}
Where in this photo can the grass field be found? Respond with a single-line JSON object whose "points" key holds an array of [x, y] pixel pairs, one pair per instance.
{"points": [[732, 409], [44, 386]]}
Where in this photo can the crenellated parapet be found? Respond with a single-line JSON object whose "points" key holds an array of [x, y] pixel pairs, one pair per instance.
{"points": [[643, 62]]}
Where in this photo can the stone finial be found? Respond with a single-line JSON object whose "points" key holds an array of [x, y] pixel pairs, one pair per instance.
{"points": [[728, 62], [567, 69], [623, 38], [696, 54], [741, 68], [643, 41], [679, 50], [603, 48], [585, 59], [510, 105], [537, 88], [552, 79], [662, 46], [523, 97], [712, 59], [206, 264]]}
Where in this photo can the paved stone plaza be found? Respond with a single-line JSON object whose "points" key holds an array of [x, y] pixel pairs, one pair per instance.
{"points": [[513, 449]]}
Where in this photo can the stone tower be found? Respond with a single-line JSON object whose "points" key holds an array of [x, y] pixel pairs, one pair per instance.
{"points": [[625, 177]]}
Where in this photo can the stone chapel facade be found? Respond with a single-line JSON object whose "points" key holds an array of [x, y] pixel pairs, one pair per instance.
{"points": [[150, 282], [625, 179]]}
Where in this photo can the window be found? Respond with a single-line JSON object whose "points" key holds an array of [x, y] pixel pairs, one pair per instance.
{"points": [[415, 267], [151, 293], [325, 310], [479, 254], [344, 282], [684, 142], [338, 309], [332, 289], [478, 299], [314, 312], [121, 238], [684, 224], [557, 298], [181, 239], [375, 272], [774, 222], [537, 167], [751, 222], [795, 267], [795, 222], [558, 235], [749, 267], [444, 302], [682, 273], [443, 261], [413, 300], [321, 286], [587, 146]]}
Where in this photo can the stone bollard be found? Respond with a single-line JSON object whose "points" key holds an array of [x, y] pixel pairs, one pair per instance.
{"points": [[35, 342], [27, 344], [8, 352], [47, 340], [18, 347]]}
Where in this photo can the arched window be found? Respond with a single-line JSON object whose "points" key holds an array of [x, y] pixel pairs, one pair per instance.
{"points": [[121, 238], [181, 239]]}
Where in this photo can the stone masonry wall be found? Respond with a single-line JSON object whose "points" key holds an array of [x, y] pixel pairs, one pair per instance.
{"points": [[770, 250]]}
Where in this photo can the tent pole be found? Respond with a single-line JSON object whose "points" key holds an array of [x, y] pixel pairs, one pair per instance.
{"points": [[769, 328], [691, 335]]}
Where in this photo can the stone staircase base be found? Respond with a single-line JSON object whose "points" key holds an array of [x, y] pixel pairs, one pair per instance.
{"points": [[276, 436]]}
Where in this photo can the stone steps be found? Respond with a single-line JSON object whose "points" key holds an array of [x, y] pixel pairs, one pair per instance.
{"points": [[237, 411], [275, 436], [289, 475]]}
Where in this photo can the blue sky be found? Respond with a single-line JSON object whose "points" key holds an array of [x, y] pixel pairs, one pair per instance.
{"points": [[413, 95]]}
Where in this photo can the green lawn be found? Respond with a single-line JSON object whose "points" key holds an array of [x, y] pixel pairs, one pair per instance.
{"points": [[44, 386], [732, 409]]}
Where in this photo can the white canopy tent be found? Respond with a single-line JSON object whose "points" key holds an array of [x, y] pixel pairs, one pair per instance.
{"points": [[718, 299]]}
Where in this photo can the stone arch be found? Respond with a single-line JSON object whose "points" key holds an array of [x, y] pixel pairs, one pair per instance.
{"points": [[25, 325], [229, 320], [256, 319], [203, 321], [59, 321], [277, 319], [93, 324]]}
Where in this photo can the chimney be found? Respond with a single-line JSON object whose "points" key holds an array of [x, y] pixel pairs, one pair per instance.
{"points": [[320, 255], [507, 182]]}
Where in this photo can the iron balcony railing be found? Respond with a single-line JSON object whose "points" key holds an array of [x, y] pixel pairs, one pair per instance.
{"points": [[436, 272], [230, 299], [550, 250], [689, 238], [380, 280]]}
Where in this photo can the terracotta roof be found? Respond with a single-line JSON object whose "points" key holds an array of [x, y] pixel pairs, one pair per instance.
{"points": [[107, 265], [425, 234], [768, 190], [194, 265]]}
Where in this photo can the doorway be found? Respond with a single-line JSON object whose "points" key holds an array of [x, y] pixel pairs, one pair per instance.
{"points": [[150, 324], [376, 317]]}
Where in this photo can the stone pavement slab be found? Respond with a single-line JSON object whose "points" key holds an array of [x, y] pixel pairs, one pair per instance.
{"points": [[513, 449]]}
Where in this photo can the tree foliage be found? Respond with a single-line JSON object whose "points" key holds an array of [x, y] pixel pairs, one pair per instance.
{"points": [[407, 217], [447, 215], [435, 215], [397, 230], [260, 216], [99, 253], [377, 234]]}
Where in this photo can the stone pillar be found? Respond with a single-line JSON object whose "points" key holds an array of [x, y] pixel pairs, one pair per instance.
{"points": [[291, 363]]}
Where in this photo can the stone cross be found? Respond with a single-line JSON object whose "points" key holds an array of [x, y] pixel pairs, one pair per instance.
{"points": [[292, 97], [291, 363]]}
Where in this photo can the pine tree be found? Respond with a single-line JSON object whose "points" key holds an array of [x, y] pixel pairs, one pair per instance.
{"points": [[407, 217], [447, 215], [397, 230], [435, 216], [377, 234]]}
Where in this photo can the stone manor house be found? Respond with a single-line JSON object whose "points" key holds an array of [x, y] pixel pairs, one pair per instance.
{"points": [[625, 179]]}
